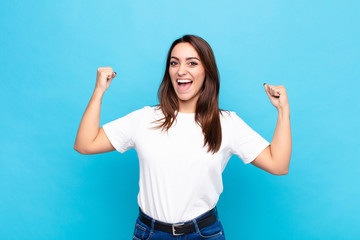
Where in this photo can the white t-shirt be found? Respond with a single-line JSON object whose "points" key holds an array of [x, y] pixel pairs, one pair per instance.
{"points": [[179, 179]]}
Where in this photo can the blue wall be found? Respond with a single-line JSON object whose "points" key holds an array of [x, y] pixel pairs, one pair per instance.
{"points": [[50, 51]]}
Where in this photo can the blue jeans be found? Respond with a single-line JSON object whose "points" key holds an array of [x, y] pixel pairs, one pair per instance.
{"points": [[214, 231]]}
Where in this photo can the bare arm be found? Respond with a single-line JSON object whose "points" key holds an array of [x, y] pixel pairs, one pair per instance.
{"points": [[275, 159], [91, 139]]}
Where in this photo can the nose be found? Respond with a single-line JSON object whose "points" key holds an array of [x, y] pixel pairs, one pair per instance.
{"points": [[181, 70]]}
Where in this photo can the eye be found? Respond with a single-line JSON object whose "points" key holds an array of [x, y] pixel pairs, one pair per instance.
{"points": [[172, 63], [193, 63]]}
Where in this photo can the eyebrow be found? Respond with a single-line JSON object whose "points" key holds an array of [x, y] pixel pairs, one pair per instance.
{"points": [[186, 58]]}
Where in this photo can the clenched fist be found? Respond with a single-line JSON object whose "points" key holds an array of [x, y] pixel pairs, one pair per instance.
{"points": [[104, 77], [278, 96]]}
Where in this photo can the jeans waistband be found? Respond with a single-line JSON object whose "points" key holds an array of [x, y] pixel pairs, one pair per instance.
{"points": [[214, 210], [204, 220]]}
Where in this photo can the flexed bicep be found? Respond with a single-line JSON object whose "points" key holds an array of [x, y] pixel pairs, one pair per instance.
{"points": [[101, 144], [265, 162]]}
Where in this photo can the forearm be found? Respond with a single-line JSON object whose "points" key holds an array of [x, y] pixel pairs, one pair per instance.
{"points": [[281, 143], [89, 125]]}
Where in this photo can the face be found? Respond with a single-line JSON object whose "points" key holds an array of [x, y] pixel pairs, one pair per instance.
{"points": [[186, 72]]}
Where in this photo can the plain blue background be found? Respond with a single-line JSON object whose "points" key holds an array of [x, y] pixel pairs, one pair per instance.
{"points": [[50, 51]]}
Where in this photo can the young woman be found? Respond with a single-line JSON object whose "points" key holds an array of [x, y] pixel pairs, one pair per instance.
{"points": [[184, 143]]}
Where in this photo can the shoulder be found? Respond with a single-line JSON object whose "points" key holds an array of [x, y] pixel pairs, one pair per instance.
{"points": [[149, 113], [231, 119], [154, 111], [139, 113], [146, 110], [226, 115]]}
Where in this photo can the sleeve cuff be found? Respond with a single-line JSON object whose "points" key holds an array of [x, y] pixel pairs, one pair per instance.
{"points": [[256, 153]]}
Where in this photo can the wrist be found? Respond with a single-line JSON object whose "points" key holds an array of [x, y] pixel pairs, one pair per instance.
{"points": [[285, 111], [98, 93]]}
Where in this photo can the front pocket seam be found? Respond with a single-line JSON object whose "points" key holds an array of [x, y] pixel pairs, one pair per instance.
{"points": [[141, 227], [150, 235], [210, 236]]}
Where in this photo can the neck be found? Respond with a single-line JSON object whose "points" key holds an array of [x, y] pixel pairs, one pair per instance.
{"points": [[188, 106]]}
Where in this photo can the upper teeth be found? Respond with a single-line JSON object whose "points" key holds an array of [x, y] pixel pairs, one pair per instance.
{"points": [[184, 81]]}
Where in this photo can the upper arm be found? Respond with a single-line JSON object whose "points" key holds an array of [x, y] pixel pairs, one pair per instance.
{"points": [[101, 144], [265, 162]]}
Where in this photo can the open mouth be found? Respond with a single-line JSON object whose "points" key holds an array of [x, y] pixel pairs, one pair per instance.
{"points": [[184, 85]]}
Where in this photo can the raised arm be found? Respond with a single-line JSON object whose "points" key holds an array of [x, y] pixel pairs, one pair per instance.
{"points": [[275, 158], [91, 139]]}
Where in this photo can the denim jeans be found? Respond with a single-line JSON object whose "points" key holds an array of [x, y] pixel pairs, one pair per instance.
{"points": [[214, 231]]}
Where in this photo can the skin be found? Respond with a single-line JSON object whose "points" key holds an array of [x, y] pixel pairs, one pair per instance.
{"points": [[185, 64], [274, 159], [91, 139]]}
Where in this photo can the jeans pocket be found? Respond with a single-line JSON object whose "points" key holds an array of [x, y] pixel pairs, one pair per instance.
{"points": [[214, 231], [141, 232]]}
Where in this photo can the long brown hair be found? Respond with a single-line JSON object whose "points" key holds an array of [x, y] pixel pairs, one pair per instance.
{"points": [[207, 106]]}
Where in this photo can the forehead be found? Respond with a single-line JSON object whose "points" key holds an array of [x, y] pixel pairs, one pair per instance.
{"points": [[184, 50]]}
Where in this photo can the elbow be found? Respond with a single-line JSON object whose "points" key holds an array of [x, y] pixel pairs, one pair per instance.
{"points": [[80, 150], [281, 172]]}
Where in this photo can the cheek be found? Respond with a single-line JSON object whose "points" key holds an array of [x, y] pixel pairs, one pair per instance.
{"points": [[172, 74], [200, 77]]}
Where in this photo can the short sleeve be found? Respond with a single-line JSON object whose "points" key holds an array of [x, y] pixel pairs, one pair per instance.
{"points": [[247, 144], [121, 132]]}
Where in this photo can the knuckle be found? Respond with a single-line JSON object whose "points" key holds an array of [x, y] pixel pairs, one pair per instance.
{"points": [[101, 70]]}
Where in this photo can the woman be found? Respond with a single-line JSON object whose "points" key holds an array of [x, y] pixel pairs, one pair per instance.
{"points": [[184, 143]]}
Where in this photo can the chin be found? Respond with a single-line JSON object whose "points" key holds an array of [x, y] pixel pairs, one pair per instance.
{"points": [[184, 97]]}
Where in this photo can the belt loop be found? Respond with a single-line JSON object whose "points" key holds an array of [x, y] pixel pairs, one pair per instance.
{"points": [[152, 225], [196, 225]]}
